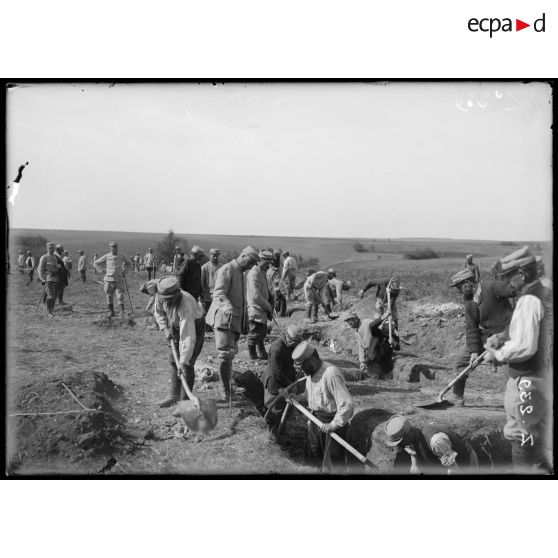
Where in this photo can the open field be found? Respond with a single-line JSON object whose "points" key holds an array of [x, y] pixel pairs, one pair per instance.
{"points": [[330, 251], [122, 370]]}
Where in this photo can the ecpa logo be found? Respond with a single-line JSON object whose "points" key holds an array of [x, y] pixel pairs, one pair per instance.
{"points": [[493, 25]]}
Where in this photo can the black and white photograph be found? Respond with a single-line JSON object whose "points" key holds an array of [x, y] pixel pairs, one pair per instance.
{"points": [[279, 278]]}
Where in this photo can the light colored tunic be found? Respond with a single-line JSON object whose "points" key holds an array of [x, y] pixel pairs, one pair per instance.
{"points": [[115, 266], [208, 274], [326, 392], [186, 313]]}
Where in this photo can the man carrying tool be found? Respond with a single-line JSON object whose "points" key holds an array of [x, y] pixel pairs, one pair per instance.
{"points": [[487, 313], [375, 354], [290, 268], [384, 285], [30, 267], [228, 314], [527, 355], [260, 308], [328, 400], [189, 279], [280, 371], [316, 291], [208, 274], [176, 312], [82, 266], [149, 263], [62, 275], [116, 266], [474, 268], [432, 448], [48, 271]]}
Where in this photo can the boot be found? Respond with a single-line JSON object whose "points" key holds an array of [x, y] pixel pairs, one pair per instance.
{"points": [[458, 398], [174, 390], [50, 307], [225, 369], [261, 352], [111, 310], [309, 312], [314, 310], [122, 311], [190, 379], [252, 351]]}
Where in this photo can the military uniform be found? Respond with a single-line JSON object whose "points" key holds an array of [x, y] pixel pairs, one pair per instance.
{"points": [[48, 271], [115, 265]]}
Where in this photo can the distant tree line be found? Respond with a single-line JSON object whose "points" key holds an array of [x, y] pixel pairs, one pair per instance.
{"points": [[361, 248], [421, 254]]}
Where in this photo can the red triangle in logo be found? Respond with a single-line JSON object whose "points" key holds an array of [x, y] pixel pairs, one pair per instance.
{"points": [[519, 25]]}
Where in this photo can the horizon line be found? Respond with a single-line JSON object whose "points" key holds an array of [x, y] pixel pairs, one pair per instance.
{"points": [[387, 238]]}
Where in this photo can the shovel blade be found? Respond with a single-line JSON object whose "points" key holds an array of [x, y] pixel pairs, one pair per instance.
{"points": [[442, 404], [199, 420]]}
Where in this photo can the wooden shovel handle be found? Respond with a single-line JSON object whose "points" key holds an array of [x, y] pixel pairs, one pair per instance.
{"points": [[180, 372], [335, 436], [275, 400], [471, 366]]}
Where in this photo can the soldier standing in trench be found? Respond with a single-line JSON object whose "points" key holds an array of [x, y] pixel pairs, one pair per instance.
{"points": [[329, 401]]}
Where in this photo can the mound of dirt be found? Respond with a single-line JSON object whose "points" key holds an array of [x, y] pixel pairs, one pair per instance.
{"points": [[94, 426]]}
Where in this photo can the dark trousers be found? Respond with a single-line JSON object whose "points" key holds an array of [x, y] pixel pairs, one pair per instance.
{"points": [[149, 272], [82, 275], [316, 444], [257, 333], [31, 272], [60, 286]]}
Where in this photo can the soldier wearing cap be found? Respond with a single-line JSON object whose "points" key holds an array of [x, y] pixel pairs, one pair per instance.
{"points": [[328, 400], [149, 263], [116, 266], [49, 271], [432, 448], [280, 371], [82, 266], [208, 274], [288, 276], [63, 275], [527, 355], [30, 266], [487, 314], [375, 354], [474, 268], [316, 292], [259, 305], [176, 312], [178, 259], [228, 314]]}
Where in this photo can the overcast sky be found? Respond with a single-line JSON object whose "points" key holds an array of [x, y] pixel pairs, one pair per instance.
{"points": [[459, 160]]}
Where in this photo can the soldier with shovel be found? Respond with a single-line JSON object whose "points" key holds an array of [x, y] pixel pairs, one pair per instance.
{"points": [[175, 312]]}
